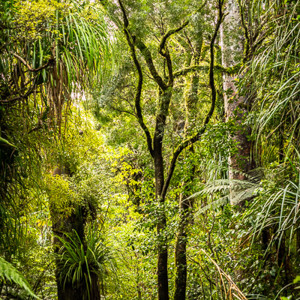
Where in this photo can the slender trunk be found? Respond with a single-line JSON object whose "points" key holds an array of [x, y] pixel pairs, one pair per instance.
{"points": [[180, 251], [185, 206], [162, 263]]}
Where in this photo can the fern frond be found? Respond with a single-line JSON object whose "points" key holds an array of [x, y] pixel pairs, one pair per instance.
{"points": [[10, 273]]}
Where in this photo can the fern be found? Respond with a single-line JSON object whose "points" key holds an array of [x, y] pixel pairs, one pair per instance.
{"points": [[10, 273], [243, 190]]}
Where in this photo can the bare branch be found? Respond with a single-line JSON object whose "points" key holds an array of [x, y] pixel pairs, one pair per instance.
{"points": [[50, 62], [27, 94], [122, 110]]}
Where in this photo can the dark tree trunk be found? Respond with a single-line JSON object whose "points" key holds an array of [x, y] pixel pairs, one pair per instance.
{"points": [[69, 292], [62, 225], [180, 254], [95, 289], [191, 100], [162, 262], [185, 208]]}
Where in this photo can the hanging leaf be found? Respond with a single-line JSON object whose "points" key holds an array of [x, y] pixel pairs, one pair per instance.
{"points": [[10, 273]]}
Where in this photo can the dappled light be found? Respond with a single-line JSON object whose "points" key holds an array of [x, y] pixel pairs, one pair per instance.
{"points": [[149, 149]]}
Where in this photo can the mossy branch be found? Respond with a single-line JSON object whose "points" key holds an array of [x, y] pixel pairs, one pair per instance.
{"points": [[205, 67], [165, 53], [149, 60], [168, 34], [198, 135]]}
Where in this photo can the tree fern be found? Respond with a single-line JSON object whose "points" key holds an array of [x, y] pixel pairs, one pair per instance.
{"points": [[242, 190]]}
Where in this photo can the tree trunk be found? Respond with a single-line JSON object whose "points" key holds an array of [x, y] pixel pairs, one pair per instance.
{"points": [[62, 225], [185, 206], [236, 105], [180, 251], [162, 263], [69, 292]]}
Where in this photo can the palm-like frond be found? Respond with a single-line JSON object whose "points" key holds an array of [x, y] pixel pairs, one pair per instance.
{"points": [[236, 191], [278, 210], [77, 261], [276, 74], [69, 52]]}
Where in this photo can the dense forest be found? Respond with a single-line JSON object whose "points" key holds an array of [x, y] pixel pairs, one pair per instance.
{"points": [[150, 149]]}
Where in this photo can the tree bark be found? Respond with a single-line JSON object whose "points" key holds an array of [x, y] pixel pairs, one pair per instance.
{"points": [[62, 225], [185, 206], [162, 263], [180, 249], [236, 106]]}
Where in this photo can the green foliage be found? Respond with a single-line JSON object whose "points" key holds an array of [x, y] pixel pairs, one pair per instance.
{"points": [[77, 260], [277, 204], [9, 273], [57, 52], [56, 187]]}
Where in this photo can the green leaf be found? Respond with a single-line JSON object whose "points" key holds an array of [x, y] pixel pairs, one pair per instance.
{"points": [[2, 140], [297, 279], [9, 272]]}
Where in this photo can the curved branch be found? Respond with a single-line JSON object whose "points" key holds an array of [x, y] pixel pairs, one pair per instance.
{"points": [[198, 135], [177, 152], [168, 34], [165, 53], [247, 42], [148, 58], [212, 62], [140, 82]]}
